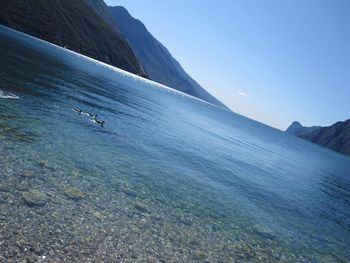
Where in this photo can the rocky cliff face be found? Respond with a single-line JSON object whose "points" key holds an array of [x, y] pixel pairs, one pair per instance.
{"points": [[335, 137], [74, 24], [158, 63]]}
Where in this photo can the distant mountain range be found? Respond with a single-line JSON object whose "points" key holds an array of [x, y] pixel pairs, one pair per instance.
{"points": [[335, 137], [108, 34], [297, 129]]}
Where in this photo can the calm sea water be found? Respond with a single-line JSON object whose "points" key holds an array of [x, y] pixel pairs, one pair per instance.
{"points": [[168, 178]]}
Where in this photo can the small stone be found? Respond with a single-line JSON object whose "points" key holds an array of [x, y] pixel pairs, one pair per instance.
{"points": [[38, 250], [142, 209], [200, 255], [244, 251], [98, 215], [130, 193], [74, 193], [30, 260], [264, 232], [275, 255], [34, 198], [42, 163], [26, 174], [5, 188], [75, 174]]}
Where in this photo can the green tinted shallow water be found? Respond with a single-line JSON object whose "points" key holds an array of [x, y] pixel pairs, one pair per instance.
{"points": [[169, 178]]}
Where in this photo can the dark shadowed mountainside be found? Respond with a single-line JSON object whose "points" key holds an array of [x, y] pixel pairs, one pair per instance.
{"points": [[159, 64], [103, 11], [75, 24], [335, 137]]}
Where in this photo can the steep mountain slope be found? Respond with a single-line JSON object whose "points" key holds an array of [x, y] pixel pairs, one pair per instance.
{"points": [[335, 137], [74, 24], [103, 11], [159, 64]]}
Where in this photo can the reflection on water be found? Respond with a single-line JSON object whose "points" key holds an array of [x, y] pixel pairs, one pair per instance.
{"points": [[169, 178]]}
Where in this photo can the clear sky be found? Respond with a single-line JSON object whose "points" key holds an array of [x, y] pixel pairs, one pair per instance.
{"points": [[274, 61]]}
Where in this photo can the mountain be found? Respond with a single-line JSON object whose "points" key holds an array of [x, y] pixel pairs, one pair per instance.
{"points": [[335, 137], [108, 34], [297, 129], [158, 63], [103, 11], [294, 128], [84, 26]]}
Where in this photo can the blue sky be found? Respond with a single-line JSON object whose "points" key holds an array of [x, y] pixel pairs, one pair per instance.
{"points": [[273, 61]]}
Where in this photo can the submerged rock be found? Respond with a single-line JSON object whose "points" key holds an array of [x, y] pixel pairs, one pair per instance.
{"points": [[129, 193], [74, 174], [200, 255], [244, 251], [142, 209], [98, 215], [42, 163], [26, 174], [74, 193], [34, 198], [264, 232], [5, 188]]}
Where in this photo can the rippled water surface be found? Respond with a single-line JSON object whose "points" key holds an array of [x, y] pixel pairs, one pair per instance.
{"points": [[168, 178]]}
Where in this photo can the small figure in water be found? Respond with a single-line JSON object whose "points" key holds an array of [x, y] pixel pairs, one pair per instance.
{"points": [[97, 121], [94, 116], [100, 122], [77, 110]]}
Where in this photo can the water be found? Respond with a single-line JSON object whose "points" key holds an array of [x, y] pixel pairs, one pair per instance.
{"points": [[7, 95], [169, 177]]}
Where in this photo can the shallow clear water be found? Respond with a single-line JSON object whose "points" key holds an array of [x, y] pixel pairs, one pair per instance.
{"points": [[169, 177]]}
